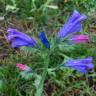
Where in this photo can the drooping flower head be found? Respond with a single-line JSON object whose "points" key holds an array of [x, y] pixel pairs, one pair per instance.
{"points": [[23, 67], [74, 24], [81, 65], [79, 39], [19, 39], [44, 39]]}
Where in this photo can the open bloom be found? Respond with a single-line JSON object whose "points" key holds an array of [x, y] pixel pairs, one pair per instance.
{"points": [[19, 39], [81, 65], [44, 40], [79, 38], [23, 67], [73, 25]]}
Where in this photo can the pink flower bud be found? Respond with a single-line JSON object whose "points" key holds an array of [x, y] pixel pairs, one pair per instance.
{"points": [[79, 38], [23, 67]]}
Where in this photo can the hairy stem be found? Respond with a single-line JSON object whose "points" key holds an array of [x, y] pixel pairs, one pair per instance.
{"points": [[40, 87]]}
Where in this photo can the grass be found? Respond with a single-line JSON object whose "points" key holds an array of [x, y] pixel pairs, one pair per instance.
{"points": [[64, 81], [31, 16], [61, 82]]}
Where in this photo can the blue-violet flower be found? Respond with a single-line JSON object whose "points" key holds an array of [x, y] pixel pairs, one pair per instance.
{"points": [[44, 40], [19, 39], [81, 65], [73, 25]]}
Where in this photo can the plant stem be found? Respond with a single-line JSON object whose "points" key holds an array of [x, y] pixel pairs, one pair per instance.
{"points": [[40, 87]]}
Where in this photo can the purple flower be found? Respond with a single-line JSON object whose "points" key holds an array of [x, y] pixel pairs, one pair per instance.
{"points": [[73, 25], [44, 40], [79, 38], [19, 39], [81, 65]]}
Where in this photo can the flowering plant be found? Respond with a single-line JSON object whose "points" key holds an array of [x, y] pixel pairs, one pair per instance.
{"points": [[67, 33]]}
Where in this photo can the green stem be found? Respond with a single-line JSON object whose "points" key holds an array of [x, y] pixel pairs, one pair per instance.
{"points": [[66, 58], [40, 87]]}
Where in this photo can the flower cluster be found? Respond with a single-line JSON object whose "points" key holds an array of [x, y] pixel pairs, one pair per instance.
{"points": [[19, 39], [74, 25]]}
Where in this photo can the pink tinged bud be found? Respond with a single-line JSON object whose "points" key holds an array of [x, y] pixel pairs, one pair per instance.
{"points": [[79, 39], [23, 67]]}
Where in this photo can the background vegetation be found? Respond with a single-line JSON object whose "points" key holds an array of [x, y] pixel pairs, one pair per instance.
{"points": [[31, 16]]}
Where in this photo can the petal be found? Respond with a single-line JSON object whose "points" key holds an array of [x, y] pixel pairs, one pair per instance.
{"points": [[69, 28], [82, 70], [82, 18], [12, 31], [15, 33], [79, 38], [23, 67], [44, 40], [77, 66], [76, 28], [90, 66], [73, 25], [23, 38], [81, 65], [11, 37], [87, 60], [30, 41], [19, 42], [72, 63], [74, 16]]}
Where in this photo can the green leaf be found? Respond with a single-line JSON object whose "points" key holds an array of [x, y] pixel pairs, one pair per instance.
{"points": [[1, 85], [37, 81], [11, 8], [26, 75], [65, 47], [51, 71], [28, 50]]}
